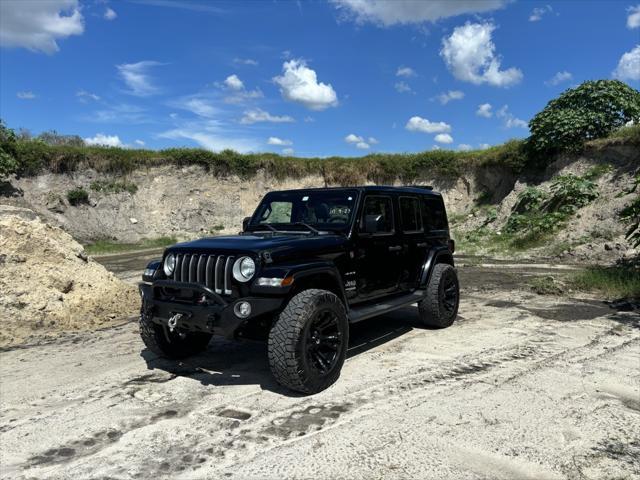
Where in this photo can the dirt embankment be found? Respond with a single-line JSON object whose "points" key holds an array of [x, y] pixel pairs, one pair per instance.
{"points": [[187, 201], [48, 284]]}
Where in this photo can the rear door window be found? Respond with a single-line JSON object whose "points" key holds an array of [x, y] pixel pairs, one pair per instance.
{"points": [[433, 213], [410, 215]]}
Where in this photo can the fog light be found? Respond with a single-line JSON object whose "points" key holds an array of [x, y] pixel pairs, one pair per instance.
{"points": [[242, 309]]}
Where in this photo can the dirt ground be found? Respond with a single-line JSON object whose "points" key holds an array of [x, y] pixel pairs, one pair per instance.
{"points": [[521, 386]]}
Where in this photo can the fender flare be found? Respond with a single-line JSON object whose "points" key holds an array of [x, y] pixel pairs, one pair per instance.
{"points": [[303, 271], [438, 255]]}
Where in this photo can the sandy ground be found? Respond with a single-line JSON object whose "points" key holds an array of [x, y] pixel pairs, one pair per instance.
{"points": [[521, 386]]}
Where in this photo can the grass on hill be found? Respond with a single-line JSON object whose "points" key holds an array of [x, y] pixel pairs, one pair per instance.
{"points": [[103, 247]]}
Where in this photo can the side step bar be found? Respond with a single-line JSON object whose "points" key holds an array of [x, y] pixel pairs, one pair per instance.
{"points": [[357, 314]]}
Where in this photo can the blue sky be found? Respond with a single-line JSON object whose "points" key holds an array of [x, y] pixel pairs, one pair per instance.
{"points": [[344, 77]]}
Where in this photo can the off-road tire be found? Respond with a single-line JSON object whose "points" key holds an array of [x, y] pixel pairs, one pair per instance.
{"points": [[432, 309], [160, 341], [287, 348]]}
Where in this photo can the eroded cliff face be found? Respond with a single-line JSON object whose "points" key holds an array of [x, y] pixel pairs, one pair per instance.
{"points": [[188, 201]]}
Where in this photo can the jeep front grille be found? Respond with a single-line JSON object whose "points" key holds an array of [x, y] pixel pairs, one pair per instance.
{"points": [[212, 271]]}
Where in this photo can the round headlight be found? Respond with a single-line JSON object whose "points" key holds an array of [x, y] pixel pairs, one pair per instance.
{"points": [[169, 264], [243, 269]]}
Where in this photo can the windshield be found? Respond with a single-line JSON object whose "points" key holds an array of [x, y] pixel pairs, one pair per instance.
{"points": [[320, 209]]}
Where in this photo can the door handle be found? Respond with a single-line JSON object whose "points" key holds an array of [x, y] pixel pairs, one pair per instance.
{"points": [[395, 248], [421, 244]]}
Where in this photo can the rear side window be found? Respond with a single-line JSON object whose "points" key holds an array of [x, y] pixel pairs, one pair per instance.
{"points": [[433, 214], [410, 214], [380, 210]]}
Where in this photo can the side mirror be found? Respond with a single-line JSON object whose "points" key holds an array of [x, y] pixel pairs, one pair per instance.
{"points": [[371, 223], [245, 223]]}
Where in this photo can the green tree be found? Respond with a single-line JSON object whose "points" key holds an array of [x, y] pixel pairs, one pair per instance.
{"points": [[592, 110], [8, 163]]}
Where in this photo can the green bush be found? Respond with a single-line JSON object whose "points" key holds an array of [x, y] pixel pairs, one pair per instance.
{"points": [[595, 109], [8, 162], [114, 186], [570, 192], [77, 196], [631, 215]]}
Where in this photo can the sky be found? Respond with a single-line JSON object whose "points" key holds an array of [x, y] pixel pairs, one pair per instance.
{"points": [[305, 78]]}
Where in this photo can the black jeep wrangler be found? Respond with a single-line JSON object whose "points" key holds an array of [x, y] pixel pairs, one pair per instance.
{"points": [[307, 264]]}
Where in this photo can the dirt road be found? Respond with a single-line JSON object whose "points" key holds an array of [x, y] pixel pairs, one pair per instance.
{"points": [[522, 386]]}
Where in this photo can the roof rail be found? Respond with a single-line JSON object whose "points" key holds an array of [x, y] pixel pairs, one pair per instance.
{"points": [[426, 187]]}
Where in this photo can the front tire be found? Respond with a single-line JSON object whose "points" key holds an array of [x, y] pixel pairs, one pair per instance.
{"points": [[439, 307], [176, 344], [308, 342]]}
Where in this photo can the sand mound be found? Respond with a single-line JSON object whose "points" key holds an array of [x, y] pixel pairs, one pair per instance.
{"points": [[48, 285]]}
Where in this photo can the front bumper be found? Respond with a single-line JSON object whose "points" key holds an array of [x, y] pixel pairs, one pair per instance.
{"points": [[202, 309]]}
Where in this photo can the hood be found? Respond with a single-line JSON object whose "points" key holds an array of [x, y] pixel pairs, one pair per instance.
{"points": [[279, 245]]}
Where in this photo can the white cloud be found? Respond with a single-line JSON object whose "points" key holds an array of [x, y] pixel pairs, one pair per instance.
{"points": [[308, 119], [484, 110], [105, 140], [406, 72], [288, 151], [120, 113], [443, 138], [464, 147], [446, 97], [539, 12], [419, 124], [110, 14], [279, 141], [258, 115], [510, 121], [136, 77], [633, 20], [209, 134], [386, 13], [85, 96], [38, 25], [139, 142], [353, 138], [402, 87], [484, 146], [470, 55], [26, 95], [238, 92], [299, 83], [559, 77], [372, 140], [245, 61], [358, 141], [629, 65], [197, 105], [234, 83]]}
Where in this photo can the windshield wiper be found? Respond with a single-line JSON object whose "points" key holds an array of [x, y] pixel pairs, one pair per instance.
{"points": [[306, 225]]}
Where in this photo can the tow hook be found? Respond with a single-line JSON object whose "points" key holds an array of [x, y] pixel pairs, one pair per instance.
{"points": [[173, 321]]}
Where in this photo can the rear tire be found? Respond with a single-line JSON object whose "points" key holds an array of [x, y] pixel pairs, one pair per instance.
{"points": [[308, 342], [439, 307], [176, 344]]}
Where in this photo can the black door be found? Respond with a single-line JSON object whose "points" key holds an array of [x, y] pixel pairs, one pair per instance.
{"points": [[414, 241], [379, 252]]}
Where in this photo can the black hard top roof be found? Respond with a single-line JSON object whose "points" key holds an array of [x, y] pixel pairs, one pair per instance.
{"points": [[417, 189]]}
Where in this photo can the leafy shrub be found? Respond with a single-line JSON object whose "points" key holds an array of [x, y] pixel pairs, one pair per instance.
{"points": [[570, 192], [114, 186], [77, 196], [631, 215], [529, 199], [8, 162], [592, 110]]}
